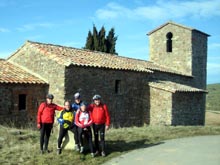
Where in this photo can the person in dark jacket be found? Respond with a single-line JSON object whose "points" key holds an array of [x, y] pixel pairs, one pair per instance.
{"points": [[101, 122], [45, 120], [76, 106]]}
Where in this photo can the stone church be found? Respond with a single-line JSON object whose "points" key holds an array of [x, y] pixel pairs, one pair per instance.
{"points": [[169, 89]]}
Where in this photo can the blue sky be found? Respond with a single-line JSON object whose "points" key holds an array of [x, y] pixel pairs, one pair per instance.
{"points": [[68, 22]]}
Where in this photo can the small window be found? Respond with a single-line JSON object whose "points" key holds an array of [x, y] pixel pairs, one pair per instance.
{"points": [[22, 102], [169, 41], [117, 86]]}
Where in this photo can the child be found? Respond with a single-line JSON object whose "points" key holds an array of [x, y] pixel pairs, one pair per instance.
{"points": [[83, 120], [65, 119]]}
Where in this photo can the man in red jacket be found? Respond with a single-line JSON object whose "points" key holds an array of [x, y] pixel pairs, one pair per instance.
{"points": [[101, 122], [45, 120]]}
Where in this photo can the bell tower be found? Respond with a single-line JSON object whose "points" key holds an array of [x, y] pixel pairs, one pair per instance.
{"points": [[182, 49]]}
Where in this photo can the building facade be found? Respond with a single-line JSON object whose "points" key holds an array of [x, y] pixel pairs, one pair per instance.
{"points": [[169, 89], [20, 95]]}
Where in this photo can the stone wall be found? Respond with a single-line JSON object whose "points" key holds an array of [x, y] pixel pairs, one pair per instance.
{"points": [[181, 108], [199, 68], [9, 103], [40, 65], [160, 107], [188, 109], [180, 58], [128, 106], [163, 76], [189, 52]]}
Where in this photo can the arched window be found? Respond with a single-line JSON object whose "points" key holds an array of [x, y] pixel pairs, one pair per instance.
{"points": [[169, 41]]}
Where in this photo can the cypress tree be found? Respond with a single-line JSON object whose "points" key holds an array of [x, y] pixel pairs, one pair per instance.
{"points": [[111, 41], [99, 42], [102, 40], [95, 38], [89, 41]]}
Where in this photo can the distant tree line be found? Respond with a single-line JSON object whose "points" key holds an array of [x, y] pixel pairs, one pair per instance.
{"points": [[98, 41]]}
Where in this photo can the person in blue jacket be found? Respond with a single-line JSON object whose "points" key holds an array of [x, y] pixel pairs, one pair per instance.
{"points": [[76, 106]]}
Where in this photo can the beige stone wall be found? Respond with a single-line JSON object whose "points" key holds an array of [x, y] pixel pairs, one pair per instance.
{"points": [[38, 63], [9, 103], [179, 108], [160, 107], [189, 54], [180, 58], [128, 107]]}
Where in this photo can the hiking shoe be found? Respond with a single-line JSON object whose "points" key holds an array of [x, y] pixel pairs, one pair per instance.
{"points": [[103, 154], [47, 151], [81, 149], [97, 153], [76, 147], [92, 155], [58, 151]]}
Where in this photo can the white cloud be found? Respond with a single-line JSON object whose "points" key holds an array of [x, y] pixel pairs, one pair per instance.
{"points": [[162, 10], [113, 10], [4, 30], [33, 26]]}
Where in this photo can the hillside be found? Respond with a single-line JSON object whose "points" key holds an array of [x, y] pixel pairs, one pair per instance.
{"points": [[213, 97]]}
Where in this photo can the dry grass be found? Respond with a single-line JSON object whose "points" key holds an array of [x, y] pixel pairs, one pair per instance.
{"points": [[213, 118], [22, 146]]}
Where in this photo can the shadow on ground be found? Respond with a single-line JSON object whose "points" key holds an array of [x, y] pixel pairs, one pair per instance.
{"points": [[122, 146]]}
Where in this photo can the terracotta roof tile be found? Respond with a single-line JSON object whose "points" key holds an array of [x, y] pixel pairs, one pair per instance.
{"points": [[10, 73], [174, 87], [82, 57]]}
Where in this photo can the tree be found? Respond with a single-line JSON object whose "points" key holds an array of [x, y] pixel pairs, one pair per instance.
{"points": [[102, 40], [95, 38], [111, 42], [99, 42], [89, 41]]}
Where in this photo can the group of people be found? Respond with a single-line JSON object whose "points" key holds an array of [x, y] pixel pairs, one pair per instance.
{"points": [[77, 117]]}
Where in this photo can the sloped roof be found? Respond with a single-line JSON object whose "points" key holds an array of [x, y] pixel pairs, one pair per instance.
{"points": [[174, 87], [173, 23], [10, 73], [81, 57]]}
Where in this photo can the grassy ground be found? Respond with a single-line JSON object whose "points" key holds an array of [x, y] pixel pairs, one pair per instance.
{"points": [[21, 146], [213, 118], [213, 97]]}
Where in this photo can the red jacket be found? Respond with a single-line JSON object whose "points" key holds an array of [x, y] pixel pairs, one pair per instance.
{"points": [[100, 114], [83, 119], [46, 112]]}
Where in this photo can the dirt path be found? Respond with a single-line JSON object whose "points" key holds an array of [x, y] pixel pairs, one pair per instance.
{"points": [[201, 150]]}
